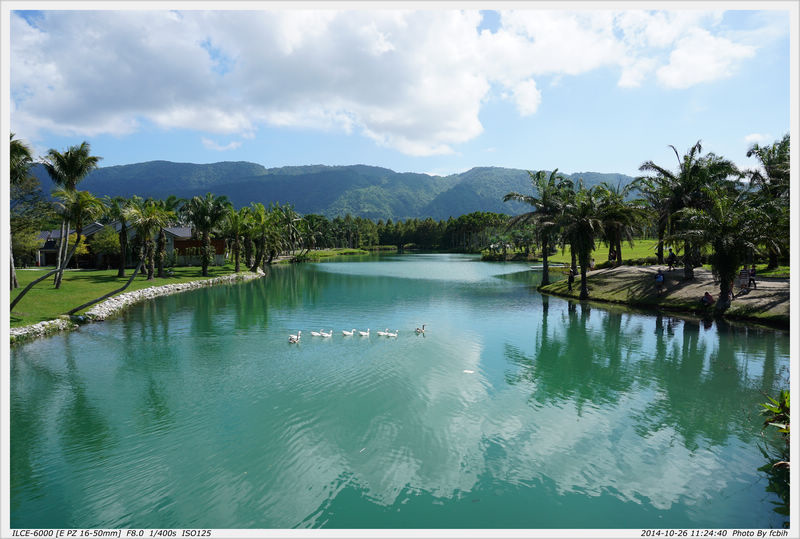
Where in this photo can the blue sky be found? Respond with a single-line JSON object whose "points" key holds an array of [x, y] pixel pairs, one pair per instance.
{"points": [[437, 91]]}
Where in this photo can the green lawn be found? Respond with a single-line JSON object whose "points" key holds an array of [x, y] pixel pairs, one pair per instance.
{"points": [[44, 302], [327, 253], [640, 249]]}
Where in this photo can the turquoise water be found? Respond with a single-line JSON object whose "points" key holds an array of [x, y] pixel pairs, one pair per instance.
{"points": [[513, 410]]}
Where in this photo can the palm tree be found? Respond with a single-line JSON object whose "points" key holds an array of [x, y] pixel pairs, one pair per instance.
{"points": [[146, 216], [547, 208], [206, 214], [773, 191], [655, 195], [115, 209], [732, 226], [21, 161], [687, 190], [581, 225], [235, 227], [170, 206], [619, 217], [78, 207], [67, 170]]}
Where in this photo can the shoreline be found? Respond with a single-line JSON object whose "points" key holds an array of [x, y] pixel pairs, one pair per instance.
{"points": [[634, 286], [116, 304]]}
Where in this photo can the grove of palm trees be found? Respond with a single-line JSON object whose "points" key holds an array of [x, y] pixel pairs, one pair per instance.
{"points": [[704, 208]]}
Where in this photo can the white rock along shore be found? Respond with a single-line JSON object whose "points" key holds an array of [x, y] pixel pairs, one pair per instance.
{"points": [[115, 304]]}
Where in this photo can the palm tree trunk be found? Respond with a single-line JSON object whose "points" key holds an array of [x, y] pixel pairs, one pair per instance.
{"points": [[68, 255], [117, 291], [123, 250], [773, 260], [151, 260], [14, 283], [60, 248], [162, 246], [206, 251], [688, 263], [32, 284], [545, 266], [619, 252], [584, 259], [236, 248]]}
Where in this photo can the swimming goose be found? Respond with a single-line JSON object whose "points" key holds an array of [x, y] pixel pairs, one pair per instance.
{"points": [[421, 330], [348, 333], [295, 338], [316, 333], [389, 334], [364, 333], [384, 332], [323, 334]]}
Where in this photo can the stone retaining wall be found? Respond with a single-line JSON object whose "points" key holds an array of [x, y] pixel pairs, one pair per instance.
{"points": [[116, 304]]}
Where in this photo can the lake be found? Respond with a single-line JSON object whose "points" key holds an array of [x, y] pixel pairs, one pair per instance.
{"points": [[512, 410]]}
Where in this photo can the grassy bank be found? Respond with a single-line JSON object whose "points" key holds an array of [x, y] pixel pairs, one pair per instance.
{"points": [[321, 254], [44, 302], [635, 287]]}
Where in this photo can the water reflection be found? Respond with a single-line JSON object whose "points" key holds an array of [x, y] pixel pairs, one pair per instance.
{"points": [[198, 406]]}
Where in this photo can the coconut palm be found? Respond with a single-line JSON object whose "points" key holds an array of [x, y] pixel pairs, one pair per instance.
{"points": [[67, 170], [581, 225], [206, 214], [548, 204], [20, 161]]}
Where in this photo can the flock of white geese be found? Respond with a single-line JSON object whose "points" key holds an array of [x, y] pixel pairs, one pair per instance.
{"points": [[294, 339]]}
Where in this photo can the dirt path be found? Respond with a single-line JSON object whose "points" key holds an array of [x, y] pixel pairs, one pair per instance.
{"points": [[635, 285]]}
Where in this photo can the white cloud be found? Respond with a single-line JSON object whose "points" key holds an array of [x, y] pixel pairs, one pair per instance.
{"points": [[211, 145], [701, 57], [527, 97], [757, 138], [411, 81]]}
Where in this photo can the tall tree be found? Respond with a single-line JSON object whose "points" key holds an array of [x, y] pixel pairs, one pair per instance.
{"points": [[687, 190], [206, 214], [732, 226], [581, 224], [67, 170], [772, 182], [20, 161], [146, 217], [619, 217], [236, 224], [170, 208], [548, 205], [115, 209]]}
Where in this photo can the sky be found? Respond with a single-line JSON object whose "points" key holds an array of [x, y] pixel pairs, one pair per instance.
{"points": [[434, 89]]}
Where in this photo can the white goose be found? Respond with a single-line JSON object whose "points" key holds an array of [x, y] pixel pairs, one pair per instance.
{"points": [[295, 338], [390, 334], [420, 330], [364, 333], [348, 333], [384, 332], [316, 333], [323, 334]]}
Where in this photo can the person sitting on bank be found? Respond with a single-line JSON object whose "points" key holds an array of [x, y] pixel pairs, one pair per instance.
{"points": [[591, 264], [707, 299], [570, 279], [659, 281], [671, 259]]}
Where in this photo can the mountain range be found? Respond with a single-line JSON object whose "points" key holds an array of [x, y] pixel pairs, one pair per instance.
{"points": [[360, 190]]}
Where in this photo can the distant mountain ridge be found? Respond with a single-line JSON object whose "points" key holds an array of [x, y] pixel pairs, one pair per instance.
{"points": [[361, 190]]}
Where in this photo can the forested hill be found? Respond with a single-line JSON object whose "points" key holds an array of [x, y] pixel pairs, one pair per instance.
{"points": [[365, 191]]}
